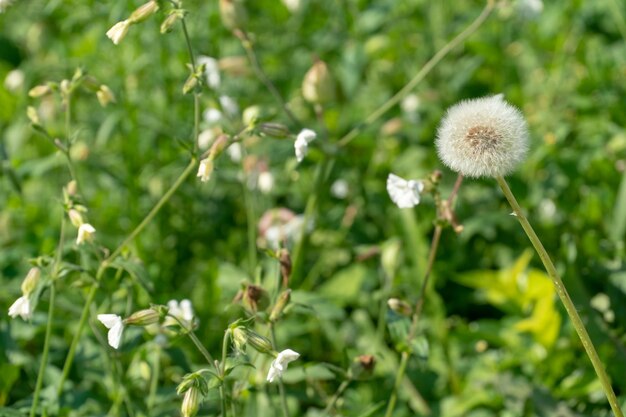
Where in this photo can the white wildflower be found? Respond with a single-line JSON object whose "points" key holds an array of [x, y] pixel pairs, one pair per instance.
{"points": [[205, 169], [482, 137], [14, 80], [115, 324], [212, 116], [279, 365], [183, 311], [211, 71], [265, 182], [229, 105], [339, 189], [85, 233], [118, 31], [206, 137], [235, 152], [301, 145], [21, 307], [404, 193]]}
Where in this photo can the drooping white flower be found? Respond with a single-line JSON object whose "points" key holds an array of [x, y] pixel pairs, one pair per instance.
{"points": [[301, 145], [85, 233], [404, 193], [339, 189], [21, 307], [265, 182], [279, 365], [229, 105], [205, 169], [183, 311], [15, 79], [118, 31], [484, 137], [115, 324], [212, 116], [211, 71]]}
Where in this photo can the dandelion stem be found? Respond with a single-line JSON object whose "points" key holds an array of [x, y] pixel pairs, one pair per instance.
{"points": [[105, 263], [564, 296], [459, 39], [262, 76], [281, 386]]}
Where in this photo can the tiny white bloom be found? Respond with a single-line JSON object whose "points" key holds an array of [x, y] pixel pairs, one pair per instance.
{"points": [[339, 189], [405, 194], [301, 145], [118, 31], [114, 323], [14, 80], [205, 138], [235, 152], [21, 307], [212, 116], [183, 311], [410, 104], [279, 365], [265, 182], [229, 106], [85, 233], [211, 71], [205, 169]]}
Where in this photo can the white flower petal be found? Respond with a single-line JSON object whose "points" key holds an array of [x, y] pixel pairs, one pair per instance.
{"points": [[114, 323], [21, 307], [405, 194], [85, 232], [186, 310], [279, 365], [109, 320]]}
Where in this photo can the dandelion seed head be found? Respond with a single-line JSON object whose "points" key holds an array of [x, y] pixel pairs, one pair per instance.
{"points": [[484, 137]]}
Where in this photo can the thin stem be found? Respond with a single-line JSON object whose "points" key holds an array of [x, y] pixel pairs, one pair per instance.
{"points": [[46, 349], [196, 94], [333, 400], [564, 296], [459, 39], [256, 66], [223, 372], [200, 347], [105, 263], [281, 386], [434, 246], [154, 379], [189, 48]]}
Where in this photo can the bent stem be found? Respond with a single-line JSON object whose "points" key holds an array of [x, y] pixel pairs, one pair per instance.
{"points": [[434, 246], [564, 296]]}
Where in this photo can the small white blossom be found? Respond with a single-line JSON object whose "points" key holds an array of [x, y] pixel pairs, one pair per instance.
{"points": [[235, 152], [118, 31], [85, 233], [212, 116], [301, 145], [206, 137], [183, 311], [114, 323], [292, 5], [21, 307], [229, 106], [14, 80], [265, 182], [340, 189], [211, 71], [205, 169], [279, 365], [405, 194]]}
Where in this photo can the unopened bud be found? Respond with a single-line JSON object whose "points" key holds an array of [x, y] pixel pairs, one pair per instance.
{"points": [[255, 298], [33, 116], [285, 265], [233, 13], [65, 87], [40, 90], [191, 402], [401, 307], [275, 130], [362, 366], [318, 86], [281, 303], [31, 280], [105, 95], [169, 22], [75, 217], [239, 339], [190, 84], [144, 11], [71, 188], [259, 343], [390, 257], [143, 317]]}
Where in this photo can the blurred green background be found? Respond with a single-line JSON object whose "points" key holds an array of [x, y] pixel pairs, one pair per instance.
{"points": [[493, 340]]}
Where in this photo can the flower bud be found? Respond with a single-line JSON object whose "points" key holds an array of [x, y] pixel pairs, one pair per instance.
{"points": [[362, 366], [143, 317], [33, 116], [390, 257], [281, 303], [105, 95], [275, 130], [39, 91], [318, 86], [191, 402], [31, 280], [190, 84], [239, 339], [144, 11], [233, 13], [75, 217], [169, 22], [401, 307], [255, 298], [71, 188], [259, 343]]}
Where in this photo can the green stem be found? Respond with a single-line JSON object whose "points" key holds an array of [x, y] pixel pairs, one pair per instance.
{"points": [[340, 390], [223, 372], [154, 380], [460, 38], [201, 347], [281, 386], [46, 349], [105, 263], [564, 296]]}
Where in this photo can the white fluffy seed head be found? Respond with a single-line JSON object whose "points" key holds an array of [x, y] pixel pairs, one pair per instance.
{"points": [[483, 137]]}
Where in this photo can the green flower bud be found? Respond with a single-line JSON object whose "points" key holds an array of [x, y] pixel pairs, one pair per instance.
{"points": [[173, 17], [281, 303], [144, 11], [233, 13], [275, 130], [143, 317], [31, 280], [318, 86], [191, 402]]}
